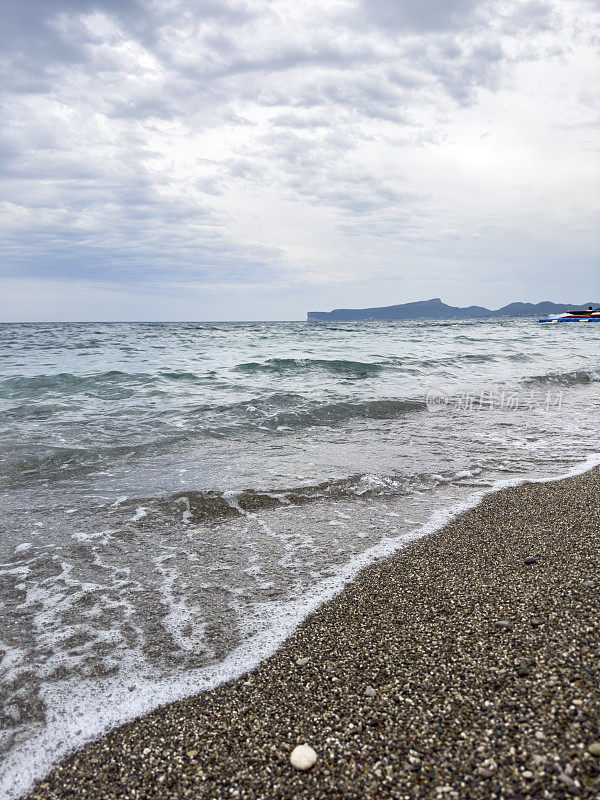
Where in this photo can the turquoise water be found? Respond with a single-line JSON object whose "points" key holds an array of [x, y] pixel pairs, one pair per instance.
{"points": [[175, 497]]}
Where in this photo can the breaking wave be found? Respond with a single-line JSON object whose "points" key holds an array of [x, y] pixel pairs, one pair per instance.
{"points": [[574, 378], [337, 366], [203, 506]]}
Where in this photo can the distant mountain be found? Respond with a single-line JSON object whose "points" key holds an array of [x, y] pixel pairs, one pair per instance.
{"points": [[435, 309]]}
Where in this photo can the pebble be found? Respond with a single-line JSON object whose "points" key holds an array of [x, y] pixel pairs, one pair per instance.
{"points": [[589, 584], [594, 749], [504, 624], [303, 757], [302, 661], [540, 736], [568, 782], [370, 692], [484, 772], [531, 560]]}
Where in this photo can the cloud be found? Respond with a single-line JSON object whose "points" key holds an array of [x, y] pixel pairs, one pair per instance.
{"points": [[420, 15], [275, 143]]}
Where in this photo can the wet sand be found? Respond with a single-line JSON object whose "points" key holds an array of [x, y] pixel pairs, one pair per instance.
{"points": [[466, 666]]}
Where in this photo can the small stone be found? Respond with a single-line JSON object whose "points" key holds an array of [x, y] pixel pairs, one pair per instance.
{"points": [[528, 774], [589, 584], [487, 769], [302, 662], [192, 753], [594, 749], [536, 622], [540, 736], [523, 672], [370, 692], [531, 560], [146, 751], [303, 757], [503, 623], [568, 782]]}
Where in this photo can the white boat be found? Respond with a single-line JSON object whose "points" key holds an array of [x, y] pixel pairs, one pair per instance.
{"points": [[590, 315]]}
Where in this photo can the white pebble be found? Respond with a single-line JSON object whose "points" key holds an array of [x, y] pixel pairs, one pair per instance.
{"points": [[303, 757]]}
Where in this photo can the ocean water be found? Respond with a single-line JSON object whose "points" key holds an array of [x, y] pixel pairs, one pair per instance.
{"points": [[175, 498]]}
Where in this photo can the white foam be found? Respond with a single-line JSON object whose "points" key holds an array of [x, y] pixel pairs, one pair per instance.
{"points": [[119, 500], [72, 717], [181, 619], [140, 513], [187, 512]]}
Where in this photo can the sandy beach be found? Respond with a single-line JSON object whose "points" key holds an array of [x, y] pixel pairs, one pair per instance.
{"points": [[466, 666]]}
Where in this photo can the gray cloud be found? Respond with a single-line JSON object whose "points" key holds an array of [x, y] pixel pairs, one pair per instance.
{"points": [[29, 38], [530, 15], [138, 135], [419, 16]]}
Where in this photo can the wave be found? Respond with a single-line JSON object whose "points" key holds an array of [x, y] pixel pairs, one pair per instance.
{"points": [[359, 368], [113, 384], [31, 462], [35, 412], [43, 463], [288, 410], [335, 413], [64, 383], [205, 506], [282, 410], [336, 366], [574, 378], [460, 358]]}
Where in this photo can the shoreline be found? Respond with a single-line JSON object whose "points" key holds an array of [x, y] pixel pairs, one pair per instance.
{"points": [[171, 772]]}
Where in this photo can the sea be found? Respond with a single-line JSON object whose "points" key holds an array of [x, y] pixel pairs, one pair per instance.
{"points": [[177, 497]]}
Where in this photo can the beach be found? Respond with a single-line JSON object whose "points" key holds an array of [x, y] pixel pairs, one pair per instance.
{"points": [[465, 666], [289, 505]]}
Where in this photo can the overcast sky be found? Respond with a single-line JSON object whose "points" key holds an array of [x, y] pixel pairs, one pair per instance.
{"points": [[201, 159]]}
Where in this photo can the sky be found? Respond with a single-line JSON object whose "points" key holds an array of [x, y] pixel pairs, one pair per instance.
{"points": [[203, 159]]}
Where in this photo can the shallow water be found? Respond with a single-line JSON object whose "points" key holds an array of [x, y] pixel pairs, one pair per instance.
{"points": [[176, 497]]}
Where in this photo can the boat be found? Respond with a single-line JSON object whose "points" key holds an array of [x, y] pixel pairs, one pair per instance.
{"points": [[589, 315]]}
